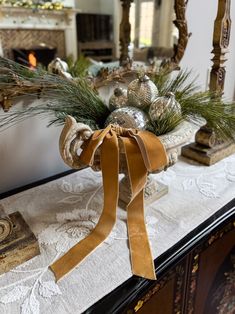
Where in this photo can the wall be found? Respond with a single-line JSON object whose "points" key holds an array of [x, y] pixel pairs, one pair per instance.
{"points": [[107, 6], [69, 3], [86, 6], [117, 16], [29, 152], [201, 15], [96, 6]]}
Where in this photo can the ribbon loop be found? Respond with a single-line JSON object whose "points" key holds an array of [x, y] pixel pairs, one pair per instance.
{"points": [[144, 153]]}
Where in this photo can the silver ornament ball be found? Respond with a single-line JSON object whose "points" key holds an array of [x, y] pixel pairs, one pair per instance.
{"points": [[118, 99], [60, 67], [128, 117], [141, 92], [57, 65], [163, 105]]}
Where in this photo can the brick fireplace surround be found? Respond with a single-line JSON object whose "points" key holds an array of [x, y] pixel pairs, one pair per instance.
{"points": [[24, 28], [24, 38]]}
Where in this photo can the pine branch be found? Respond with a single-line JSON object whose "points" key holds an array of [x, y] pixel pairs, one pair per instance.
{"points": [[196, 105], [63, 97], [167, 123], [177, 85], [78, 68]]}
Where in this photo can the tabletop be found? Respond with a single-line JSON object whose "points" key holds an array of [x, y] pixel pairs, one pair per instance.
{"points": [[63, 211]]}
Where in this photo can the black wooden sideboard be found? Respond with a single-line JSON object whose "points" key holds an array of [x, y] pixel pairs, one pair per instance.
{"points": [[196, 276]]}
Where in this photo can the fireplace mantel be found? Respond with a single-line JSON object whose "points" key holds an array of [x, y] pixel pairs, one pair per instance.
{"points": [[21, 18]]}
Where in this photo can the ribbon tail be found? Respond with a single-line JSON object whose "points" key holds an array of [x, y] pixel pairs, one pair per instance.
{"points": [[141, 256], [110, 166]]}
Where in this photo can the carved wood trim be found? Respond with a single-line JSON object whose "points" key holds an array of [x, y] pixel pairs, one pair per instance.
{"points": [[5, 228], [194, 265], [5, 225], [182, 25], [178, 274], [125, 31], [19, 246], [221, 37]]}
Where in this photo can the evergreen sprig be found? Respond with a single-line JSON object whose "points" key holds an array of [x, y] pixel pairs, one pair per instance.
{"points": [[10, 71], [78, 68], [181, 85], [196, 105], [62, 96], [168, 122]]}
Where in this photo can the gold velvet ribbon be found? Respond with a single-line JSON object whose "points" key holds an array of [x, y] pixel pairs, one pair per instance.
{"points": [[144, 153]]}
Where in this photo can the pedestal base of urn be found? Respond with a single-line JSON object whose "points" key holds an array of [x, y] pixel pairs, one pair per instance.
{"points": [[19, 246], [153, 191], [206, 155]]}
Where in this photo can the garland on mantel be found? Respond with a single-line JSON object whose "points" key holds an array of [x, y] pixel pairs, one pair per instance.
{"points": [[33, 4]]}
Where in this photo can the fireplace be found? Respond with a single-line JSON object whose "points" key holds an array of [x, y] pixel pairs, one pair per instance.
{"points": [[22, 30], [23, 40], [34, 56]]}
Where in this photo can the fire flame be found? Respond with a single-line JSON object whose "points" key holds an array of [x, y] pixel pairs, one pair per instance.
{"points": [[32, 60]]}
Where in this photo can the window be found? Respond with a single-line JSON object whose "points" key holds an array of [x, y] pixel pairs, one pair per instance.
{"points": [[146, 23], [141, 19]]}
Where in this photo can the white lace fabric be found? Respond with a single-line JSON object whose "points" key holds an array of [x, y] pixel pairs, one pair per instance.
{"points": [[64, 211]]}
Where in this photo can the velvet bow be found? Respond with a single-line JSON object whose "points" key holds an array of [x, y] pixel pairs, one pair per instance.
{"points": [[144, 153]]}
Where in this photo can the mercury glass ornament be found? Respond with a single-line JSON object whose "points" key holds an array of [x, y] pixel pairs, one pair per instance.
{"points": [[60, 67], [118, 99], [57, 65], [128, 117], [141, 92], [162, 105]]}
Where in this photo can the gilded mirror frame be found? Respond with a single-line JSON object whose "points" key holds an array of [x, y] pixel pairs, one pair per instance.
{"points": [[180, 22], [126, 70]]}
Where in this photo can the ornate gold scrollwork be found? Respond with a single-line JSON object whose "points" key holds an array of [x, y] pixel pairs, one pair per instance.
{"points": [[5, 228], [221, 39], [182, 25], [125, 29]]}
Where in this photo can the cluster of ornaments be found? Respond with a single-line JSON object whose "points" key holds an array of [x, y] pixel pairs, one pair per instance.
{"points": [[140, 104]]}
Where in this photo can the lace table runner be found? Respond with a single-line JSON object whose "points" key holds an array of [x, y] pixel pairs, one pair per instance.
{"points": [[62, 212]]}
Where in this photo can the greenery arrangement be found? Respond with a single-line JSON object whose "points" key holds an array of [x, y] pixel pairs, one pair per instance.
{"points": [[61, 96], [195, 106], [165, 124], [76, 97], [79, 67], [34, 4]]}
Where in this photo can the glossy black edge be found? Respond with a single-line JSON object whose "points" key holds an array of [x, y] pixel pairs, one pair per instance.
{"points": [[35, 184], [118, 300]]}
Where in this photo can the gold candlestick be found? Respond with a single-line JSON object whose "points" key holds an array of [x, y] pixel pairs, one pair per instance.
{"points": [[208, 148]]}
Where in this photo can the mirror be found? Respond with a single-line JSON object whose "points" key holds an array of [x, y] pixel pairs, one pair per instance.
{"points": [[142, 30], [139, 30], [153, 35], [158, 44], [154, 29]]}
